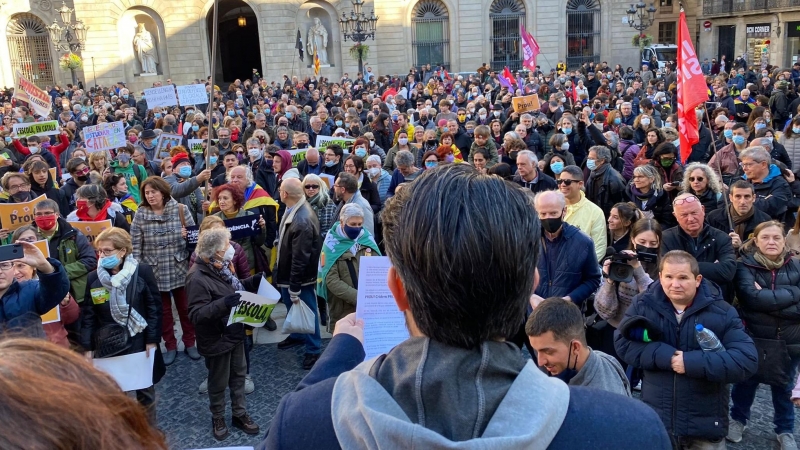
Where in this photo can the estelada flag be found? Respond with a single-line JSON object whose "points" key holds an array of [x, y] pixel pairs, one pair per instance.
{"points": [[692, 90], [316, 63]]}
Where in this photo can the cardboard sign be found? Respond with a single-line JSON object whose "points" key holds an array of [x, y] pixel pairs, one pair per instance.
{"points": [[191, 94], [167, 141], [28, 92], [106, 136], [91, 229], [53, 174], [255, 309], [48, 128], [240, 227], [16, 215], [196, 146], [324, 141], [526, 103], [54, 315], [161, 96]]}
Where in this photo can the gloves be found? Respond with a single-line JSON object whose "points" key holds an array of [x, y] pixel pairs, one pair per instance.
{"points": [[232, 299], [294, 296]]}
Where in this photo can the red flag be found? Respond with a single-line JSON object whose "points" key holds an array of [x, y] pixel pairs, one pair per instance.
{"points": [[691, 90], [530, 48], [507, 75]]}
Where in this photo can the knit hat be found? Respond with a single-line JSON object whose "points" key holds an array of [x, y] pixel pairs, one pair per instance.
{"points": [[180, 158]]}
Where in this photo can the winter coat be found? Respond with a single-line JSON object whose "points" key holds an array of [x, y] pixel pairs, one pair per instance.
{"points": [[250, 244], [719, 220], [23, 303], [205, 290], [772, 312], [239, 261], [299, 246], [714, 253], [710, 200], [342, 289], [773, 194], [792, 145], [77, 255], [157, 242], [544, 182], [572, 270], [629, 150], [187, 192], [605, 187], [694, 404]]}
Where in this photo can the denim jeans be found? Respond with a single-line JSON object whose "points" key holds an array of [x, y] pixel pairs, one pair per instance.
{"points": [[743, 394], [308, 296]]}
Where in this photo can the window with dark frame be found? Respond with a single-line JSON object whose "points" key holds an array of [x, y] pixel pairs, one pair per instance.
{"points": [[666, 32]]}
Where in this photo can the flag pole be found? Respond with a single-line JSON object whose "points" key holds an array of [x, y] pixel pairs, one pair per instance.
{"points": [[209, 117]]}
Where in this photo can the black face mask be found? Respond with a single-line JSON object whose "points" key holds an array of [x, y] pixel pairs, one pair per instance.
{"points": [[552, 225], [302, 145], [643, 249], [21, 196], [82, 178], [431, 141], [569, 373]]}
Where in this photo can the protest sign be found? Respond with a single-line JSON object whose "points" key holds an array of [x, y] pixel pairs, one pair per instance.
{"points": [[297, 155], [28, 92], [526, 103], [167, 141], [48, 128], [191, 94], [324, 141], [255, 309], [53, 173], [196, 146], [15, 215], [239, 227], [91, 229], [106, 136], [161, 96]]}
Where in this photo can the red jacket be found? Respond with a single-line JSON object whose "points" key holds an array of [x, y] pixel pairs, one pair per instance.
{"points": [[56, 150]]}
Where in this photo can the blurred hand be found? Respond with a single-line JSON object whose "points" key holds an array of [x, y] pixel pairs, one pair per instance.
{"points": [[33, 257], [735, 240], [350, 325], [88, 356], [184, 233], [669, 187], [535, 300]]}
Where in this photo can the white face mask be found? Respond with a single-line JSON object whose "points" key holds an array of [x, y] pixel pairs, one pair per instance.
{"points": [[645, 122], [373, 172], [565, 146], [33, 149], [228, 256], [254, 153]]}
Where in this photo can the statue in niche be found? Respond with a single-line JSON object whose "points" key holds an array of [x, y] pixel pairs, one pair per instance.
{"points": [[318, 40], [145, 50]]}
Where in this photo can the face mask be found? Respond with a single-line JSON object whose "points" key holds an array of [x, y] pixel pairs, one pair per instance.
{"points": [[133, 139], [668, 125], [552, 225], [431, 141], [643, 249], [482, 116], [330, 163], [125, 96], [185, 171], [254, 153], [109, 262], [124, 158], [565, 146], [195, 128], [591, 164], [158, 115], [667, 163], [374, 172], [568, 373], [728, 134], [403, 141], [33, 149], [557, 167], [676, 142], [82, 178], [760, 126], [82, 204], [449, 158], [19, 119], [351, 232], [770, 138], [288, 115], [338, 123], [8, 139], [645, 122], [361, 152], [84, 119], [739, 140], [796, 130], [21, 196], [431, 164], [462, 117], [229, 253], [567, 131], [46, 223], [496, 113]]}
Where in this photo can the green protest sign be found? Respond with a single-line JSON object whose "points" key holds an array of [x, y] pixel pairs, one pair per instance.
{"points": [[196, 146], [324, 141], [22, 130], [255, 309]]}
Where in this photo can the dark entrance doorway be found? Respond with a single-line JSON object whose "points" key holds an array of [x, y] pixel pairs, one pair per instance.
{"points": [[238, 45], [727, 43]]}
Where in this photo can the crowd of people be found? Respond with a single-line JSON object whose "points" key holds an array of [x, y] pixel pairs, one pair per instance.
{"points": [[579, 230]]}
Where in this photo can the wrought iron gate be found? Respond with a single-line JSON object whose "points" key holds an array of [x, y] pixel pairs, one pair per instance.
{"points": [[430, 34], [29, 49], [583, 32], [506, 16]]}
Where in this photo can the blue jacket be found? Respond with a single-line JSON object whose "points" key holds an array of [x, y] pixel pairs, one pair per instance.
{"points": [[23, 303], [575, 272], [694, 404], [595, 418]]}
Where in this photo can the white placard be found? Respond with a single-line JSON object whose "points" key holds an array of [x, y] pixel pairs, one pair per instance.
{"points": [[384, 324], [161, 96], [192, 94], [255, 309], [106, 136], [131, 372]]}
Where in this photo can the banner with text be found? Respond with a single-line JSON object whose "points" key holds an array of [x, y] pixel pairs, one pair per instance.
{"points": [[106, 136], [40, 101], [15, 215], [255, 309], [191, 94], [54, 315], [91, 229], [48, 128], [240, 227], [526, 103], [324, 141], [161, 96], [196, 146]]}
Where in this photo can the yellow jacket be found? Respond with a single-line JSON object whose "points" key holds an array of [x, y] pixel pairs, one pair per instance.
{"points": [[590, 219]]}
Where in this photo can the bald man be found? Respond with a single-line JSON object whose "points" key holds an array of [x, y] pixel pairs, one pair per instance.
{"points": [[299, 246], [310, 164]]}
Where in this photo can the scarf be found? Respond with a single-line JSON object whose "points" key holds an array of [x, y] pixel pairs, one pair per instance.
{"points": [[117, 286], [335, 245], [317, 203], [102, 214], [768, 263], [228, 276], [739, 222]]}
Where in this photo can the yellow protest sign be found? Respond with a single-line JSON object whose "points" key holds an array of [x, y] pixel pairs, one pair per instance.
{"points": [[526, 103], [91, 229], [43, 247], [53, 174], [54, 315], [16, 215]]}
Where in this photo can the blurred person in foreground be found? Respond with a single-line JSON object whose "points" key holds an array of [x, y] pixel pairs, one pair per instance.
{"points": [[512, 404]]}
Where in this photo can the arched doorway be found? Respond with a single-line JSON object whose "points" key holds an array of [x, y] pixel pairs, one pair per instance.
{"points": [[238, 45], [583, 32], [430, 34], [506, 16], [29, 49]]}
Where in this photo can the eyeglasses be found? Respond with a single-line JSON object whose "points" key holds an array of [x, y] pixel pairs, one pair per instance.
{"points": [[681, 201], [44, 214], [749, 164], [698, 179], [6, 265], [311, 186], [83, 171], [17, 187], [567, 182], [107, 252]]}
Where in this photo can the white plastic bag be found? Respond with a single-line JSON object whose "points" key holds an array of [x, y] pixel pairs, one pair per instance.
{"points": [[300, 319]]}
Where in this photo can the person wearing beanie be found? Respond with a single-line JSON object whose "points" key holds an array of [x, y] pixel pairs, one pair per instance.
{"points": [[185, 187]]}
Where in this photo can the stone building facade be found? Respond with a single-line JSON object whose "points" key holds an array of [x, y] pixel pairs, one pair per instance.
{"points": [[262, 34]]}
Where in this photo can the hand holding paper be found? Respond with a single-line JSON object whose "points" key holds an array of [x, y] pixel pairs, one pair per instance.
{"points": [[350, 325]]}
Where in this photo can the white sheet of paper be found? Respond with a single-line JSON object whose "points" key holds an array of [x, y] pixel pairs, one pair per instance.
{"points": [[131, 372], [384, 324]]}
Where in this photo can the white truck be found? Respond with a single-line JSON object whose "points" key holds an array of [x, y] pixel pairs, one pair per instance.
{"points": [[663, 53]]}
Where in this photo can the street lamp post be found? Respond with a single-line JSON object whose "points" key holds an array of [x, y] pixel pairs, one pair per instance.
{"points": [[358, 27], [645, 17], [71, 37]]}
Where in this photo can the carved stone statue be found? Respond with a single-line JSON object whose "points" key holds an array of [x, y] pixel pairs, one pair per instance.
{"points": [[318, 40], [146, 50]]}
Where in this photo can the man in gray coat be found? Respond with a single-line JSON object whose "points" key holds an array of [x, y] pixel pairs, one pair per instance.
{"points": [[346, 190]]}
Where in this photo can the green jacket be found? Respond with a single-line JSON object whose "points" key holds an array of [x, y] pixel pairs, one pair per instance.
{"points": [[76, 254], [133, 179]]}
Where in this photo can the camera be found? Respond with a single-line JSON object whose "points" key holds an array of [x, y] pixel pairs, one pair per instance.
{"points": [[620, 269]]}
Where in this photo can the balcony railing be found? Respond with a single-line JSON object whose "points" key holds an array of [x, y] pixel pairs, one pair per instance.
{"points": [[719, 7]]}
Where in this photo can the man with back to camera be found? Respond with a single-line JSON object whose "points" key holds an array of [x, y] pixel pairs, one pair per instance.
{"points": [[457, 358]]}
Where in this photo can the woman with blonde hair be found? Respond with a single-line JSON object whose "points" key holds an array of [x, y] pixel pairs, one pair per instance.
{"points": [[699, 179]]}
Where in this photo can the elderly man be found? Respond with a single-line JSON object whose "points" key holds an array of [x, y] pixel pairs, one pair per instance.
{"points": [[685, 385], [260, 123], [294, 121], [581, 213], [627, 114], [605, 186], [528, 174], [299, 246], [424, 121], [310, 164], [457, 350], [740, 219], [744, 105], [345, 188], [225, 144], [711, 247], [405, 171], [772, 190]]}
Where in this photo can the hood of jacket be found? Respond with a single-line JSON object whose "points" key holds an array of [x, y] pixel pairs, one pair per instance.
{"points": [[774, 172], [500, 405]]}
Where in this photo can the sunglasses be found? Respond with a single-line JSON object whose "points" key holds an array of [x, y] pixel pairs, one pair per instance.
{"points": [[566, 182], [698, 179], [311, 186], [681, 201]]}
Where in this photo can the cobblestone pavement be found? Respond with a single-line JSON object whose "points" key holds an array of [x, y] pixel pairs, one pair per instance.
{"points": [[184, 416]]}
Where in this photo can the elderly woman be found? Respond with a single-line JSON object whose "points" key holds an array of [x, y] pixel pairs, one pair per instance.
{"points": [[322, 204], [94, 206], [767, 280], [344, 246], [701, 181], [158, 233], [230, 201], [283, 139], [212, 287], [122, 291]]}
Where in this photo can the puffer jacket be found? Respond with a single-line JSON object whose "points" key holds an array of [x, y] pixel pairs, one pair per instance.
{"points": [[572, 270], [23, 303], [773, 194], [693, 404], [792, 145], [775, 306]]}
